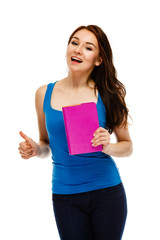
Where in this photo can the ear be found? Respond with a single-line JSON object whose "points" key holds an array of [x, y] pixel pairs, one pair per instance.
{"points": [[98, 62]]}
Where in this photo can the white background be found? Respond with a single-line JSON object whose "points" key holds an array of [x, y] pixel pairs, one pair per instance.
{"points": [[33, 43]]}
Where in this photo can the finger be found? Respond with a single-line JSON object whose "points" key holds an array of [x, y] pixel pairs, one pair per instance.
{"points": [[99, 130], [28, 144], [24, 136], [29, 151], [104, 143], [104, 134], [26, 155], [99, 136], [102, 139], [24, 145]]}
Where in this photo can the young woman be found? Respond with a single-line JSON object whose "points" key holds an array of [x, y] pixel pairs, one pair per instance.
{"points": [[88, 195]]}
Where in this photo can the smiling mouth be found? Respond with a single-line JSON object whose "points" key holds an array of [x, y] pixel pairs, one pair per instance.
{"points": [[74, 59]]}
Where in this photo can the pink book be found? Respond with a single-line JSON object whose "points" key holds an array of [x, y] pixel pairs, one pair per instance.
{"points": [[81, 121]]}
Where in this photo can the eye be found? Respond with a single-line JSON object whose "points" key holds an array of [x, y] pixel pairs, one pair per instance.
{"points": [[74, 43], [88, 48]]}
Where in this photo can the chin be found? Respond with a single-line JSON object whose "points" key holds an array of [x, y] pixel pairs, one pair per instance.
{"points": [[75, 69]]}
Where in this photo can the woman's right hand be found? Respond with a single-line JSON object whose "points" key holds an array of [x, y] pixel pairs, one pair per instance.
{"points": [[28, 148]]}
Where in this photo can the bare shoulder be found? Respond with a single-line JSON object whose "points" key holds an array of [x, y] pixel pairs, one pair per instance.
{"points": [[40, 92], [39, 97]]}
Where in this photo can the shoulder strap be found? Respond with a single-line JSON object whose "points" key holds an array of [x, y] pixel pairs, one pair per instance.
{"points": [[47, 97]]}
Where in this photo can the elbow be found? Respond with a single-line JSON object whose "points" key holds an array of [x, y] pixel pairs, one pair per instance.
{"points": [[130, 149]]}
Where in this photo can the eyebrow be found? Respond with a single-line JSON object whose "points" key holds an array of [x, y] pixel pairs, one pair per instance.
{"points": [[86, 42]]}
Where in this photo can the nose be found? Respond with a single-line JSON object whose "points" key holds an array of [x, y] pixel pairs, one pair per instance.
{"points": [[78, 49]]}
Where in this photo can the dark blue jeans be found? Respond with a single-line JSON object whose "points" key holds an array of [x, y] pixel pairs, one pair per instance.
{"points": [[93, 215]]}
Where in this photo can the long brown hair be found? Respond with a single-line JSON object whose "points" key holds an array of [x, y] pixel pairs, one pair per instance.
{"points": [[112, 91]]}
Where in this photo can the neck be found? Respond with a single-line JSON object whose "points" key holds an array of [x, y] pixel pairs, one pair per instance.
{"points": [[78, 81]]}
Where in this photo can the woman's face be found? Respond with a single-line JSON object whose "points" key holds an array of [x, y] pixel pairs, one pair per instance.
{"points": [[83, 52]]}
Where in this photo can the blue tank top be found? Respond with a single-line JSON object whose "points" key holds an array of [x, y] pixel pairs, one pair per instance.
{"points": [[81, 172]]}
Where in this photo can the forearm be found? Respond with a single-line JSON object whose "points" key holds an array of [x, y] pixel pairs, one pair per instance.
{"points": [[43, 150], [119, 149]]}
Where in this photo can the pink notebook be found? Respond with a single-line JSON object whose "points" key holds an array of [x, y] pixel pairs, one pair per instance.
{"points": [[81, 121]]}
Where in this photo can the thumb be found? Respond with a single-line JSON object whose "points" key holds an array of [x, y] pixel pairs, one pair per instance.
{"points": [[24, 136]]}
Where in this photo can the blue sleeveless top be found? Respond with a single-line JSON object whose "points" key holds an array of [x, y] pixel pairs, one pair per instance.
{"points": [[81, 172]]}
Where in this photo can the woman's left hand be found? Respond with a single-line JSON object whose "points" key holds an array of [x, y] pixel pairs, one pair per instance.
{"points": [[101, 137]]}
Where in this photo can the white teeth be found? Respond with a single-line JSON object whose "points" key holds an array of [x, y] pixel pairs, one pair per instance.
{"points": [[76, 59]]}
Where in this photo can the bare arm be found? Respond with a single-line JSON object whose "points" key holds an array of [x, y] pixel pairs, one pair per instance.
{"points": [[123, 147], [30, 148], [44, 149]]}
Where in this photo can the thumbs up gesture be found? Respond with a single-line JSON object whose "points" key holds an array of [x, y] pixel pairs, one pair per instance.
{"points": [[28, 148]]}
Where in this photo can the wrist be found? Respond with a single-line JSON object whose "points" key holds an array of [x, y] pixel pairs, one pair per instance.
{"points": [[38, 151], [43, 149], [107, 149]]}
